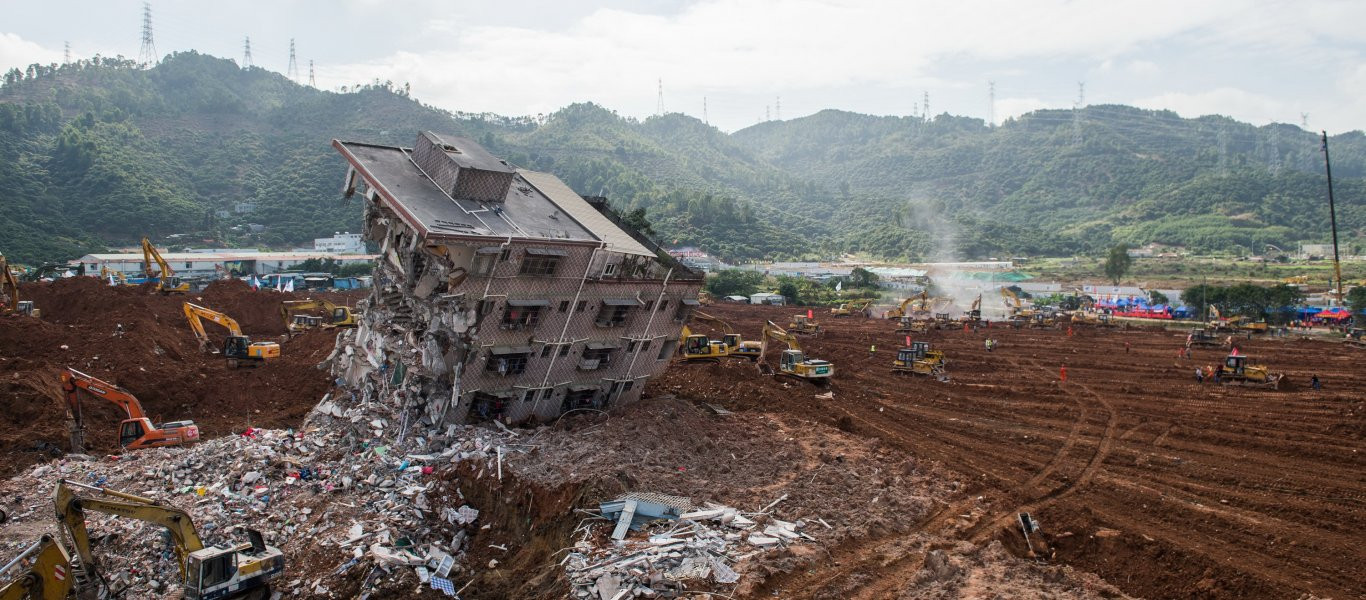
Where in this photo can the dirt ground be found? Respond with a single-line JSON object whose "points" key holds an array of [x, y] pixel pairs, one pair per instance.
{"points": [[140, 340], [1162, 486]]}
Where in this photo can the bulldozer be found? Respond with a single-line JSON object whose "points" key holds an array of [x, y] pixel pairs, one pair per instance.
{"points": [[47, 572], [135, 432], [337, 315], [804, 324], [1202, 338], [849, 309], [167, 282], [910, 325], [237, 348], [1239, 369], [793, 362], [244, 570], [918, 359]]}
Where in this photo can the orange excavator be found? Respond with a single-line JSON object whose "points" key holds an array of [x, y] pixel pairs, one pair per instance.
{"points": [[136, 432]]}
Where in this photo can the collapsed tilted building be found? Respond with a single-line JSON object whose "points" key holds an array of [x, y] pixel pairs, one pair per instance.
{"points": [[499, 292]]}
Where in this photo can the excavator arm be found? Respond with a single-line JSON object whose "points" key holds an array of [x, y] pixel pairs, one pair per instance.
{"points": [[48, 577], [9, 287], [150, 255], [195, 313], [698, 315], [1012, 297], [71, 516]]}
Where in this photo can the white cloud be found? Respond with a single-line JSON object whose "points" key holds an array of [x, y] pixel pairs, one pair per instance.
{"points": [[1233, 102], [16, 52]]}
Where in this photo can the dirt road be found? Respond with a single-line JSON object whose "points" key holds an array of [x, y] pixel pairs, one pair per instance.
{"points": [[1164, 487]]}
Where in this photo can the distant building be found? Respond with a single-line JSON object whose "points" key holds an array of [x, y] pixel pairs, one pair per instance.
{"points": [[1316, 250], [341, 243], [214, 264], [767, 298], [242, 208]]}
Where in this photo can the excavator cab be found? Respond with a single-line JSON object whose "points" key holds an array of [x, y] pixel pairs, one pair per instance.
{"points": [[240, 350], [1235, 364], [698, 347]]}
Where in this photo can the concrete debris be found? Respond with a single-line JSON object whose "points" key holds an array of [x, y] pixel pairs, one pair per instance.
{"points": [[680, 551]]}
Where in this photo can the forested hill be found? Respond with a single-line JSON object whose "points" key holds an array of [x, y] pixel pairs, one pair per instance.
{"points": [[101, 152]]}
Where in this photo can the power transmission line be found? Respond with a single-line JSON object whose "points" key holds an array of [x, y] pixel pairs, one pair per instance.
{"points": [[991, 103], [293, 71], [704, 111], [313, 83], [66, 53], [778, 108], [246, 54], [926, 105], [659, 105], [147, 55], [1076, 113]]}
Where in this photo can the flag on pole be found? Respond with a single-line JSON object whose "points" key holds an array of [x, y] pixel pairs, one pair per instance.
{"points": [[810, 314], [839, 286], [279, 284], [255, 283], [289, 286]]}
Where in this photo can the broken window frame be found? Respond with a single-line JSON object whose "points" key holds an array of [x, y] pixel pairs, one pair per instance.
{"points": [[600, 358], [520, 317], [613, 315], [539, 265], [507, 364]]}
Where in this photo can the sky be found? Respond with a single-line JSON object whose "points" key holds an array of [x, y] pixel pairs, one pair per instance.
{"points": [[747, 61]]}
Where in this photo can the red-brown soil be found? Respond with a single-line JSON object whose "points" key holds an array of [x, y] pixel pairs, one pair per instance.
{"points": [[140, 340], [1164, 487]]}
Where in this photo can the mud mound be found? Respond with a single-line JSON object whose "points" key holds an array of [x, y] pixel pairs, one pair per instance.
{"points": [[135, 338]]}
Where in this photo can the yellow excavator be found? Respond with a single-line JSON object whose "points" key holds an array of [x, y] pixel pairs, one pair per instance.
{"points": [[918, 359], [1237, 369], [697, 347], [47, 573], [243, 570], [337, 315], [900, 310], [9, 294], [113, 276], [167, 282], [849, 309], [974, 314], [237, 347], [793, 362], [1222, 324]]}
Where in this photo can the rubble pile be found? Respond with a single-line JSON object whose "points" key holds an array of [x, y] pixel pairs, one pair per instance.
{"points": [[363, 514], [712, 544]]}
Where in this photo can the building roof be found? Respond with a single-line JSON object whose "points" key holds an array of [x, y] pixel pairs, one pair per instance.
{"points": [[468, 154], [526, 213], [577, 208]]}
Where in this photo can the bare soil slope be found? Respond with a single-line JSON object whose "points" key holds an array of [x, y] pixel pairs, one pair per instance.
{"points": [[1164, 487]]}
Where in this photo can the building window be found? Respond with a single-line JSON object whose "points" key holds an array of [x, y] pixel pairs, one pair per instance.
{"points": [[596, 356], [564, 305], [535, 394], [545, 350], [582, 305], [685, 308], [667, 350], [189, 265], [615, 312], [564, 350], [505, 254], [521, 317], [649, 304], [580, 398], [664, 304], [482, 264], [631, 346], [539, 265], [510, 363], [486, 307], [645, 347], [609, 270]]}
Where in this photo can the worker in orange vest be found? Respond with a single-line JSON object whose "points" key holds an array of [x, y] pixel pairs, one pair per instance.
{"points": [[1062, 373]]}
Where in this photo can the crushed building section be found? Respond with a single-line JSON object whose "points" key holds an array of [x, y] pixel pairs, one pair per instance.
{"points": [[501, 294]]}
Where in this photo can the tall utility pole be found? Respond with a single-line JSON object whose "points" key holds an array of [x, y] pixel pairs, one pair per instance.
{"points": [[659, 106], [766, 117], [1332, 216], [293, 71], [1304, 120], [991, 104], [926, 105], [1076, 112], [66, 53], [778, 108], [148, 54], [311, 81], [1275, 149], [1222, 136], [704, 111], [246, 54]]}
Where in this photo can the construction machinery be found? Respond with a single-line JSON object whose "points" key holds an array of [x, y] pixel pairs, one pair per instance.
{"points": [[9, 294], [1238, 369], [237, 347], [793, 362], [243, 570], [974, 314], [167, 282], [900, 311], [136, 431], [45, 271], [849, 309], [804, 324], [734, 345], [1253, 327], [1202, 338], [697, 347], [113, 276], [46, 575], [1222, 324], [910, 325], [337, 315], [918, 359]]}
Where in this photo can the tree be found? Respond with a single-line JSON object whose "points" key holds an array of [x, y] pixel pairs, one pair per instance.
{"points": [[863, 278], [1356, 300], [733, 282], [787, 286], [1117, 263], [1156, 297], [636, 220]]}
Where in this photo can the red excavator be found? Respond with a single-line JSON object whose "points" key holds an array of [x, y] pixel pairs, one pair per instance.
{"points": [[136, 432]]}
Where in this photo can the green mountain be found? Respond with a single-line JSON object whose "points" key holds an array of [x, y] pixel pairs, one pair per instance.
{"points": [[101, 152]]}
